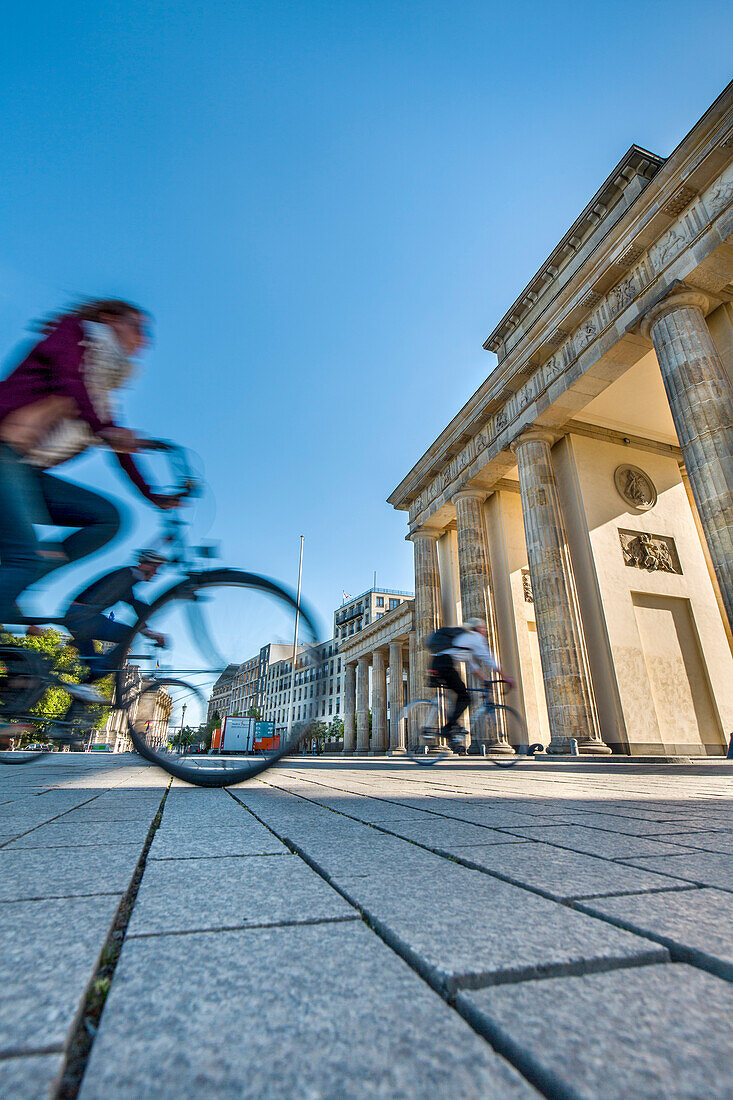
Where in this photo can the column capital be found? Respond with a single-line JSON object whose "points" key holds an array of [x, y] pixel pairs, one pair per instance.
{"points": [[432, 533], [680, 297], [533, 435], [469, 494]]}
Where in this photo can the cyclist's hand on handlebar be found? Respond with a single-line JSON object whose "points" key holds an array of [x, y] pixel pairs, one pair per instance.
{"points": [[160, 639], [122, 440], [163, 501]]}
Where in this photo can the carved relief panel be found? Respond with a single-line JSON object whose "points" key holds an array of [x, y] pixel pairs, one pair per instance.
{"points": [[655, 553]]}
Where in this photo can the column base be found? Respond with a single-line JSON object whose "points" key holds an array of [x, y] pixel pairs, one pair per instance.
{"points": [[594, 748], [493, 748], [397, 752]]}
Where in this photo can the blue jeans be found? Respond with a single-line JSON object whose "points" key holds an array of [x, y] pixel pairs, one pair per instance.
{"points": [[30, 496]]}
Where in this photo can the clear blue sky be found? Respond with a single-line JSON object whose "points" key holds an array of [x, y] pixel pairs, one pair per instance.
{"points": [[326, 207]]}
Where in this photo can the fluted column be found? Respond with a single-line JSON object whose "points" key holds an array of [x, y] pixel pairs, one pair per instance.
{"points": [[413, 729], [477, 601], [428, 609], [362, 706], [570, 704], [700, 396], [379, 702], [349, 707], [396, 722]]}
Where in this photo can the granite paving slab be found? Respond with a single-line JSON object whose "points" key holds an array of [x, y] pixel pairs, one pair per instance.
{"points": [[122, 809], [599, 842], [664, 830], [657, 1032], [27, 873], [563, 874], [62, 834], [463, 928], [706, 842], [325, 1012], [704, 868], [49, 951], [446, 833], [196, 842], [696, 923], [29, 1078], [178, 895]]}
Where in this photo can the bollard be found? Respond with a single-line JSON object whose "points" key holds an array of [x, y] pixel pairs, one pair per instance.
{"points": [[574, 746], [729, 754], [483, 749]]}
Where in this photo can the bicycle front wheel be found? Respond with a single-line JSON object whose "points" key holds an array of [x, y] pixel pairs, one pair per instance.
{"points": [[422, 724], [229, 640]]}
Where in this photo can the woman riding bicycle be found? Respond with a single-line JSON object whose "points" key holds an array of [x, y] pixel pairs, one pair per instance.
{"points": [[53, 406]]}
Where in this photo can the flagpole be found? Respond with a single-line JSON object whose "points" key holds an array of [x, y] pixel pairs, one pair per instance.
{"points": [[291, 707]]}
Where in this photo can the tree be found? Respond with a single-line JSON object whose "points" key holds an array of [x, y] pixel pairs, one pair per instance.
{"points": [[254, 712], [54, 647], [184, 738], [317, 733], [336, 729], [208, 729]]}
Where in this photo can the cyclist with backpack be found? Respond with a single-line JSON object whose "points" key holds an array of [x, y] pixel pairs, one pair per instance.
{"points": [[468, 644]]}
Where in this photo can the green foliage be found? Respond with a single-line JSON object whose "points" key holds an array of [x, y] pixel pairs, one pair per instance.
{"points": [[184, 738], [317, 733], [336, 729], [254, 712], [54, 647]]}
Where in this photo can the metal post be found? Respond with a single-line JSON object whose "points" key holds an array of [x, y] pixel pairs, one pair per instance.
{"points": [[291, 707]]}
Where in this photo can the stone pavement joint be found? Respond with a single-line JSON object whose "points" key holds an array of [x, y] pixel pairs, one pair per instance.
{"points": [[80, 1042]]}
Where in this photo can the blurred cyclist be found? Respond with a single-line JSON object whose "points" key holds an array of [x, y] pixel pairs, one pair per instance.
{"points": [[86, 621], [468, 644], [53, 406]]}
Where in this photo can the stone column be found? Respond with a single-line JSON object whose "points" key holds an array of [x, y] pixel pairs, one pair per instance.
{"points": [[412, 729], [700, 396], [379, 702], [362, 706], [396, 723], [349, 707], [428, 610], [570, 704], [477, 601]]}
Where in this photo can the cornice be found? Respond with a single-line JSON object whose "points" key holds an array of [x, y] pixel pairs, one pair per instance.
{"points": [[623, 272]]}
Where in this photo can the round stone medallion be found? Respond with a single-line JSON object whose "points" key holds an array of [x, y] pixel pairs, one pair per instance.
{"points": [[636, 487]]}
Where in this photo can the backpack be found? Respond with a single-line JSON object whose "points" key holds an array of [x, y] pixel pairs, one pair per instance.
{"points": [[443, 639]]}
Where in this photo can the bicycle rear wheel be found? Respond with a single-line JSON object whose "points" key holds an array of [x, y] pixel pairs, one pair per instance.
{"points": [[516, 733], [215, 620]]}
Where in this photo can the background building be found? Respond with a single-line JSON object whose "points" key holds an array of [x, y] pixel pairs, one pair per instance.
{"points": [[359, 611], [264, 681]]}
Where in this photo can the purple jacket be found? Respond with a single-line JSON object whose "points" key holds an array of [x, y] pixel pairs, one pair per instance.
{"points": [[53, 369]]}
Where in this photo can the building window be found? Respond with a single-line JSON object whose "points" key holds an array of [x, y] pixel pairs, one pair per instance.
{"points": [[380, 601], [393, 604]]}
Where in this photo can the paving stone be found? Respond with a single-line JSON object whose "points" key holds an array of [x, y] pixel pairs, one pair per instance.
{"points": [[446, 834], [29, 1078], [60, 834], [657, 1032], [49, 951], [325, 1012], [60, 873], [189, 842], [563, 874], [461, 927], [704, 868], [122, 809], [597, 842], [631, 827], [707, 842], [695, 923], [197, 894]]}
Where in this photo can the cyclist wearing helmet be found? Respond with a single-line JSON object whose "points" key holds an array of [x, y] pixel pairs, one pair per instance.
{"points": [[53, 406], [468, 644]]}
